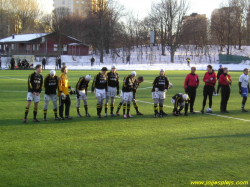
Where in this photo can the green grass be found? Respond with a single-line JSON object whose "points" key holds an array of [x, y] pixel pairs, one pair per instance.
{"points": [[143, 151]]}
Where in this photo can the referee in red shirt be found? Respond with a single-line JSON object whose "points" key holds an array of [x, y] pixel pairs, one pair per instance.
{"points": [[225, 82], [210, 79], [191, 83]]}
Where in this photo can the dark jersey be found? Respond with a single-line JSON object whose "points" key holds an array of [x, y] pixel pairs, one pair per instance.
{"points": [[128, 84], [178, 100], [136, 85], [82, 84], [35, 83], [220, 71], [50, 84], [100, 82], [113, 80], [161, 83]]}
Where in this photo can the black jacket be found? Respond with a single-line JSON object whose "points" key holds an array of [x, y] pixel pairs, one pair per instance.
{"points": [[113, 80], [35, 83], [220, 71], [161, 83], [50, 84], [128, 84], [100, 82]]}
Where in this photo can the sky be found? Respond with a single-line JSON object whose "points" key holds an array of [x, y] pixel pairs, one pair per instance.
{"points": [[142, 7]]}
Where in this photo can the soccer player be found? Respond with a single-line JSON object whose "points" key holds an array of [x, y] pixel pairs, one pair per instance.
{"points": [[220, 71], [210, 78], [100, 85], [137, 82], [244, 88], [225, 82], [127, 89], [35, 84], [64, 99], [191, 83], [113, 89], [179, 100], [50, 85], [81, 94], [160, 86]]}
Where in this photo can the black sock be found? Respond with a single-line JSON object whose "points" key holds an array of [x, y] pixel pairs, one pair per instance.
{"points": [[124, 108], [45, 113], [86, 108], [128, 109], [35, 113], [55, 113], [26, 112], [119, 107], [106, 108], [156, 109], [136, 107], [112, 106], [78, 110]]}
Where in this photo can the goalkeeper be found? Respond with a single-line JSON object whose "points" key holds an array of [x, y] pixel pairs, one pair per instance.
{"points": [[63, 93]]}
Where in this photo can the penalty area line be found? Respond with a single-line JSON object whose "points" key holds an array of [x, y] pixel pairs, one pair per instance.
{"points": [[240, 119]]}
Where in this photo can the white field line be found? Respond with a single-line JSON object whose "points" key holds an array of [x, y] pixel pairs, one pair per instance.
{"points": [[13, 78]]}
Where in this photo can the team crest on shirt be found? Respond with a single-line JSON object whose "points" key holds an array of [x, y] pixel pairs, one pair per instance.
{"points": [[211, 78]]}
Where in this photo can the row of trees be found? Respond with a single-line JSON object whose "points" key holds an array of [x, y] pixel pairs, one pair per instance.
{"points": [[108, 27]]}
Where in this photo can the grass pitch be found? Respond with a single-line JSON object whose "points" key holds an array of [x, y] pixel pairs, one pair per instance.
{"points": [[142, 151]]}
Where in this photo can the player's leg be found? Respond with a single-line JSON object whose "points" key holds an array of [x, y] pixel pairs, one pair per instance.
{"points": [[218, 88], [227, 98], [210, 95], [54, 100], [182, 105], [107, 104], [29, 100], [36, 101], [45, 107], [61, 107], [67, 107], [161, 102], [86, 106], [112, 106], [244, 99], [205, 93], [78, 104], [119, 107], [156, 102]]}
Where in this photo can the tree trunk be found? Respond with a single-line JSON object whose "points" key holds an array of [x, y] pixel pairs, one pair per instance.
{"points": [[172, 52], [162, 49], [101, 56]]}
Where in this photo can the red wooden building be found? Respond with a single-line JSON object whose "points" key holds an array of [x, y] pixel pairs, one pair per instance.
{"points": [[42, 44]]}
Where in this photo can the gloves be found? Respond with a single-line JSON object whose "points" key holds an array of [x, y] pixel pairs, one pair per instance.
{"points": [[240, 91], [156, 89], [63, 96], [117, 92]]}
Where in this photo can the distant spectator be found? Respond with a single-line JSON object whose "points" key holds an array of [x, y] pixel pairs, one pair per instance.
{"points": [[59, 62], [19, 63], [92, 60], [128, 59], [188, 61], [12, 63], [44, 62], [0, 62]]}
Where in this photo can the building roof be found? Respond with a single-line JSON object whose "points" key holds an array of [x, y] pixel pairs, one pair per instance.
{"points": [[22, 38]]}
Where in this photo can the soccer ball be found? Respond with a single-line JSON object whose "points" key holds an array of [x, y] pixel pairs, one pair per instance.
{"points": [[209, 110]]}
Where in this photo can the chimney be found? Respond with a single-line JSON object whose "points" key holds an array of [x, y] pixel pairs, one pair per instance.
{"points": [[13, 36]]}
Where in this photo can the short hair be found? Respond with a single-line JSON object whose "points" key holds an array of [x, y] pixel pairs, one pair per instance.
{"points": [[209, 66], [104, 69], [225, 68], [193, 67], [246, 69], [63, 68], [38, 66], [141, 79]]}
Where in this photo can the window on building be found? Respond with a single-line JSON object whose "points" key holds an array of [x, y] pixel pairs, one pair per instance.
{"points": [[77, 8], [55, 47], [82, 8], [63, 2], [12, 46], [34, 47], [82, 2], [28, 47], [37, 47], [69, 2], [64, 47], [77, 2]]}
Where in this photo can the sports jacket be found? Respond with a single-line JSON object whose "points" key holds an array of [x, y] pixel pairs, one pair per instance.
{"points": [[224, 78], [192, 80], [50, 84], [63, 85], [212, 77], [35, 83]]}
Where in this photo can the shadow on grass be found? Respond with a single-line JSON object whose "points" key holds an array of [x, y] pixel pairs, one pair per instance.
{"points": [[221, 136]]}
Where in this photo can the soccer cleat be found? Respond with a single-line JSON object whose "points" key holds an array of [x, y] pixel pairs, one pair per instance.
{"points": [[192, 112], [161, 115], [99, 116], [129, 116], [139, 114], [44, 119], [202, 111], [62, 118], [215, 94], [186, 114], [175, 114], [180, 113], [35, 120], [222, 112], [68, 117], [124, 116], [156, 115], [243, 110], [112, 115], [88, 115], [106, 115], [226, 111], [165, 114], [117, 113], [24, 120], [79, 115], [57, 118]]}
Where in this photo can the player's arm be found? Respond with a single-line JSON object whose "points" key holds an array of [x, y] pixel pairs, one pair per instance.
{"points": [[118, 84], [94, 83], [60, 84], [205, 78], [186, 82], [30, 80], [155, 83], [41, 86], [167, 85]]}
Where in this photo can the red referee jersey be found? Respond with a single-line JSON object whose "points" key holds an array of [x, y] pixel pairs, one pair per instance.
{"points": [[212, 78], [191, 80], [224, 78]]}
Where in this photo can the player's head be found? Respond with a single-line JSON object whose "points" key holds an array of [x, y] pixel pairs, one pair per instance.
{"points": [[64, 69], [246, 71], [225, 70], [184, 97], [221, 66], [88, 77], [133, 74], [104, 70], [52, 73], [193, 69], [39, 69], [162, 72], [209, 68], [140, 79], [113, 68]]}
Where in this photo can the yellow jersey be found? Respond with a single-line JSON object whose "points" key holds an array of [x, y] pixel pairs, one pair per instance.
{"points": [[63, 84]]}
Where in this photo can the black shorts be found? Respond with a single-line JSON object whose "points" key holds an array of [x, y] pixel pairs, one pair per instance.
{"points": [[208, 90]]}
